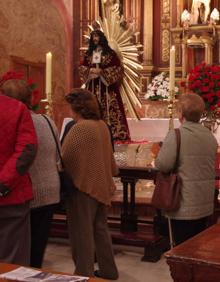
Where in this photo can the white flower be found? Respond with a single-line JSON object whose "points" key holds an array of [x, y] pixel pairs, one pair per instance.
{"points": [[185, 16], [158, 89], [215, 15]]}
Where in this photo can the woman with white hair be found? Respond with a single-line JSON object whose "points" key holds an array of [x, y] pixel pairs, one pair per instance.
{"points": [[196, 168]]}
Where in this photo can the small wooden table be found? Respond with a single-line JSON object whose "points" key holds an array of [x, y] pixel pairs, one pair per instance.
{"points": [[5, 267], [197, 259]]}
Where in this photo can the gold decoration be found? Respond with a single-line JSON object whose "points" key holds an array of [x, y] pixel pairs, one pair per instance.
{"points": [[122, 39], [171, 109], [48, 108], [165, 34]]}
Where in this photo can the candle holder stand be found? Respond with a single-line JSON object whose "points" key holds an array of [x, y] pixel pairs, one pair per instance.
{"points": [[48, 108], [171, 109]]}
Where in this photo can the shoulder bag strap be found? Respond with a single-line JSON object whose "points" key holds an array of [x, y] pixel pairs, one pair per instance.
{"points": [[54, 136], [178, 142]]}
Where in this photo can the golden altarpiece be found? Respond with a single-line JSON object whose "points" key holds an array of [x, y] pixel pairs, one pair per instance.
{"points": [[158, 26], [196, 40]]}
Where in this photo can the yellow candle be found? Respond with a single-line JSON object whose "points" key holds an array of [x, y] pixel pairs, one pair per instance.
{"points": [[48, 75], [172, 68]]}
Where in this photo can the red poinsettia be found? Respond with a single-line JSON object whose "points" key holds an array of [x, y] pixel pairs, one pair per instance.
{"points": [[11, 75], [205, 81], [35, 94]]}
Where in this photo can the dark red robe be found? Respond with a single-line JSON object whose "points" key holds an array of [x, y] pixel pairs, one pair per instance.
{"points": [[106, 89]]}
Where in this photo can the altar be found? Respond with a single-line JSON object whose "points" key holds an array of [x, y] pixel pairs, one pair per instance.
{"points": [[155, 129], [150, 129], [147, 129]]}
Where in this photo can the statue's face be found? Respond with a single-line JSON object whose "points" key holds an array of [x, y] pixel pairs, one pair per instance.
{"points": [[96, 39]]}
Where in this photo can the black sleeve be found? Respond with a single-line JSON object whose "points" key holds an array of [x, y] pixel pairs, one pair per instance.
{"points": [[112, 138], [67, 129]]}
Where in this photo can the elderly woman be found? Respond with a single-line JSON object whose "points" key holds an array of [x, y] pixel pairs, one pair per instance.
{"points": [[88, 158], [196, 168], [18, 148], [43, 172]]}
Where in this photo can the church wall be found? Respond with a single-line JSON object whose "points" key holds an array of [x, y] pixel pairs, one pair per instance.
{"points": [[28, 30]]}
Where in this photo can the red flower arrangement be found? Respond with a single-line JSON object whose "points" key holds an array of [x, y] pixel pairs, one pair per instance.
{"points": [[204, 80], [35, 94]]}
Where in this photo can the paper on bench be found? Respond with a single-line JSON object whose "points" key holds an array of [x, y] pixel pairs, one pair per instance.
{"points": [[32, 275]]}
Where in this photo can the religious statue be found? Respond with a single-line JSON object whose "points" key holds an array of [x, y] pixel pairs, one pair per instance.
{"points": [[101, 72], [200, 11], [111, 70]]}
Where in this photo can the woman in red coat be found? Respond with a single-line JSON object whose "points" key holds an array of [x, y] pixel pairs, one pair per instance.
{"points": [[17, 151]]}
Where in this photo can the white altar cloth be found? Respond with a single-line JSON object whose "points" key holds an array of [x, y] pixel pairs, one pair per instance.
{"points": [[150, 129]]}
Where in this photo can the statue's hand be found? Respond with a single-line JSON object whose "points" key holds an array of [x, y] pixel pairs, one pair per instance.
{"points": [[93, 76], [96, 71]]}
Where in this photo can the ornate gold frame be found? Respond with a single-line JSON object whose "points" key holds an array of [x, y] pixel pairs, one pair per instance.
{"points": [[198, 36]]}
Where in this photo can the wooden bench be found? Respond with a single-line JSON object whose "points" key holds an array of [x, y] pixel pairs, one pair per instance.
{"points": [[198, 259]]}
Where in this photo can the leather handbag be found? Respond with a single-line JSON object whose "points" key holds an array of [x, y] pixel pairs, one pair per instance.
{"points": [[167, 192], [66, 183]]}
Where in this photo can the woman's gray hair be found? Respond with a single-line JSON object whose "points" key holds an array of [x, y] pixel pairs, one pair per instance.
{"points": [[192, 107], [17, 89]]}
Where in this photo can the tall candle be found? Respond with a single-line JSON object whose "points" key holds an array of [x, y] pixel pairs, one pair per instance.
{"points": [[172, 69], [48, 75]]}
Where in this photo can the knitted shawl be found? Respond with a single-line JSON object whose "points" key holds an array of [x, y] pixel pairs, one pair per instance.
{"points": [[88, 158]]}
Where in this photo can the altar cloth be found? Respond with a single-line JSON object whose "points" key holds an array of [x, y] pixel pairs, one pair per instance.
{"points": [[148, 129]]}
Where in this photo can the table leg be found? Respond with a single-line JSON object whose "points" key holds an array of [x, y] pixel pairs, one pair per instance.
{"points": [[128, 216]]}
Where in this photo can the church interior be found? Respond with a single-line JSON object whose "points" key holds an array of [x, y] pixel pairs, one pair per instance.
{"points": [[159, 43]]}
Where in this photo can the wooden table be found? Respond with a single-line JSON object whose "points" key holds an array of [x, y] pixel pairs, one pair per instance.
{"points": [[5, 267], [129, 177], [197, 259]]}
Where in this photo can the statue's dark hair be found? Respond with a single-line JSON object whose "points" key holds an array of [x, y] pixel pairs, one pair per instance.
{"points": [[103, 43]]}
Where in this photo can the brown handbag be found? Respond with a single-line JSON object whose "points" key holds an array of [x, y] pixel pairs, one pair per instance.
{"points": [[167, 192]]}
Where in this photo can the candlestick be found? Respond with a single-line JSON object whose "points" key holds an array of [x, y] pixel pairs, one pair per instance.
{"points": [[172, 87], [48, 75], [172, 70]]}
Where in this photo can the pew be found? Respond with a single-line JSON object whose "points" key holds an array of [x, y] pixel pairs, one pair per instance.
{"points": [[197, 259]]}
